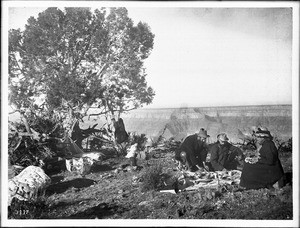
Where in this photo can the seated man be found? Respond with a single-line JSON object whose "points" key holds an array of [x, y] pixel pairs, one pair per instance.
{"points": [[224, 156], [193, 150]]}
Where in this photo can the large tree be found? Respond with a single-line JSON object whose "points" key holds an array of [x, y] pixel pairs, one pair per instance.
{"points": [[68, 62]]}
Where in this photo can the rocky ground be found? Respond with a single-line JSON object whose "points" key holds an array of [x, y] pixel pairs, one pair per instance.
{"points": [[113, 190]]}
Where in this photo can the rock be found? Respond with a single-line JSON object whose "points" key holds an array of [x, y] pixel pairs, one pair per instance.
{"points": [[81, 165], [128, 169], [145, 203], [31, 182], [135, 178], [117, 170], [109, 176]]}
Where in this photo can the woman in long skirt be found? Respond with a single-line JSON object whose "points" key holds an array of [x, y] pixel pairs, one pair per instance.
{"points": [[264, 169]]}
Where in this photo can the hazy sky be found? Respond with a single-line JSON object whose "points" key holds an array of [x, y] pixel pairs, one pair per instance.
{"points": [[221, 56], [202, 57], [212, 56]]}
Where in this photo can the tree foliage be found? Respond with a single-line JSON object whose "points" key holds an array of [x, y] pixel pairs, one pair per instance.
{"points": [[75, 60]]}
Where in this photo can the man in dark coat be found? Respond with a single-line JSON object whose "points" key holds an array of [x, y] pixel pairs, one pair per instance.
{"points": [[224, 156], [193, 150], [265, 169]]}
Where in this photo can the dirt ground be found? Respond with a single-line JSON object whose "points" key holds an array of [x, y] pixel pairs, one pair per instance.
{"points": [[113, 191]]}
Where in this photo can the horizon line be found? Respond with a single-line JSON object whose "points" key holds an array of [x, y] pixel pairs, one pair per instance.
{"points": [[224, 106]]}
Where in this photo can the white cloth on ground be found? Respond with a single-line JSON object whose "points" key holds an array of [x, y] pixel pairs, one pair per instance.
{"points": [[131, 152]]}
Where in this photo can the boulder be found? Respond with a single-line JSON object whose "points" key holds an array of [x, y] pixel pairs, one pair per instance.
{"points": [[28, 185], [81, 165]]}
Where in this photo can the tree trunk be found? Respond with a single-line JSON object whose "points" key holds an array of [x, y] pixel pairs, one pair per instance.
{"points": [[120, 132], [77, 135]]}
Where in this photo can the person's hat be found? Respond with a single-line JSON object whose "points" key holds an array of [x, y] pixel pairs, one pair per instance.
{"points": [[223, 137], [262, 132], [203, 133]]}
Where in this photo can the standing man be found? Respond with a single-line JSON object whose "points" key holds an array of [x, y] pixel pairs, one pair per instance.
{"points": [[193, 150], [224, 156]]}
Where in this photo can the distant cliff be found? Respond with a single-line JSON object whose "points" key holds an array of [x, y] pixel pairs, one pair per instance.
{"points": [[179, 122]]}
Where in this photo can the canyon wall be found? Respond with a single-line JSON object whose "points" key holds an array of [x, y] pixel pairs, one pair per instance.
{"points": [[180, 122]]}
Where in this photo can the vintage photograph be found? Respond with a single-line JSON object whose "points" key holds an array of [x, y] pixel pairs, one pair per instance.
{"points": [[150, 113]]}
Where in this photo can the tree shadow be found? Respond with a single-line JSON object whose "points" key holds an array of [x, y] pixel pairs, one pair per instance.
{"points": [[63, 186], [56, 179], [100, 211], [101, 168]]}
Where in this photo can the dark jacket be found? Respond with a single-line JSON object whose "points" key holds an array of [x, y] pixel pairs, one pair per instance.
{"points": [[223, 156], [195, 149], [267, 171]]}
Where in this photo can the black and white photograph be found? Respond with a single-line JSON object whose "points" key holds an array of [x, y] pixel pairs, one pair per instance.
{"points": [[137, 113]]}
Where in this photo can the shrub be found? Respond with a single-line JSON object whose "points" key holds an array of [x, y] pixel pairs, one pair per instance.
{"points": [[287, 146], [25, 149], [28, 152], [152, 177], [283, 146]]}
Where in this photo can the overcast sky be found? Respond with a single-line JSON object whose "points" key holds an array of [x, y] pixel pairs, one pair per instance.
{"points": [[212, 56]]}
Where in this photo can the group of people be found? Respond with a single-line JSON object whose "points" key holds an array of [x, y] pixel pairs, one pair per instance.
{"points": [[264, 172]]}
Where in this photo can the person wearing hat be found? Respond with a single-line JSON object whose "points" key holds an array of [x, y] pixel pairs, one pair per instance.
{"points": [[193, 150], [137, 146], [223, 154], [266, 169]]}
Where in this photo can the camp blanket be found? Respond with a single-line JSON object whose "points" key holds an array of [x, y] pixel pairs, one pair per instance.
{"points": [[195, 180]]}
